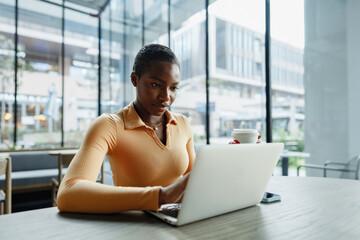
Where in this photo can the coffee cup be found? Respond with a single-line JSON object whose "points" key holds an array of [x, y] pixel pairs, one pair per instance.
{"points": [[245, 135]]}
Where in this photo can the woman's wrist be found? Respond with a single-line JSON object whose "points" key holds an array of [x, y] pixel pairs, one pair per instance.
{"points": [[161, 193]]}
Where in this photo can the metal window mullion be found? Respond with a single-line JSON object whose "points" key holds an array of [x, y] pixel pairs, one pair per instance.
{"points": [[16, 68], [267, 73], [62, 71], [207, 112], [124, 56], [143, 22], [110, 55], [69, 8], [99, 67], [169, 24]]}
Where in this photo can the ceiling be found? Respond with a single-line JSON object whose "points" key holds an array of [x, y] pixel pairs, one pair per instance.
{"points": [[98, 5]]}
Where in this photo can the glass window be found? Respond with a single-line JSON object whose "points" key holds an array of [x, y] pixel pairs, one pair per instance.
{"points": [[231, 36], [240, 60], [258, 69], [220, 44], [251, 68], [246, 68], [240, 40], [40, 83], [257, 45], [156, 21], [239, 65], [7, 78], [81, 75], [246, 17], [288, 98], [188, 30], [113, 77], [236, 64]]}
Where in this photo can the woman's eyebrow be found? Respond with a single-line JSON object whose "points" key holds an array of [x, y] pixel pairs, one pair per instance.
{"points": [[163, 81]]}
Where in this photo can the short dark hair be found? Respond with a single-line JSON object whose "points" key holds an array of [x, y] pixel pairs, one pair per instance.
{"points": [[153, 52]]}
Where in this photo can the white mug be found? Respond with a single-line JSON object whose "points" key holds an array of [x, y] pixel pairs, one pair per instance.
{"points": [[245, 135]]}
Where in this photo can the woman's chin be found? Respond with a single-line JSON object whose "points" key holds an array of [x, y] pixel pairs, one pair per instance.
{"points": [[159, 111]]}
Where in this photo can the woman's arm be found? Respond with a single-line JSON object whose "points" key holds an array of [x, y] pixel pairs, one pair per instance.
{"points": [[79, 192]]}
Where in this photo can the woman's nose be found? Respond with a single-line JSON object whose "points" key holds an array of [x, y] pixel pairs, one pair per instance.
{"points": [[165, 94]]}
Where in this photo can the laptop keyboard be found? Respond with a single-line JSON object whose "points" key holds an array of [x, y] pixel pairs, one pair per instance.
{"points": [[171, 209]]}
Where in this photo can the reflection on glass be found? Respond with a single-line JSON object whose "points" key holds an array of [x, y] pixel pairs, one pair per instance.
{"points": [[237, 63], [7, 53], [188, 43], [156, 21], [39, 76], [81, 75], [111, 59], [132, 44]]}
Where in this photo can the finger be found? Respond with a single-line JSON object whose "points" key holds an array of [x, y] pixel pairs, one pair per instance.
{"points": [[180, 198]]}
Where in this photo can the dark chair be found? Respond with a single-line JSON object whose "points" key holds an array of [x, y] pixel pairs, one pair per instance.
{"points": [[352, 166], [5, 197]]}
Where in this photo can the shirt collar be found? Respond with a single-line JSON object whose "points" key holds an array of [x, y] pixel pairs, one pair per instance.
{"points": [[132, 119]]}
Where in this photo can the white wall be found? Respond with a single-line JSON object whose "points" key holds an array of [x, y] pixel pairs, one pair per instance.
{"points": [[331, 61]]}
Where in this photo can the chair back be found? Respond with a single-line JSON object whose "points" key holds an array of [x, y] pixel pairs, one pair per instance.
{"points": [[5, 168], [354, 164], [64, 160]]}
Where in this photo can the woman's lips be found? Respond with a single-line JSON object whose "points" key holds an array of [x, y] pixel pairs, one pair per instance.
{"points": [[161, 107]]}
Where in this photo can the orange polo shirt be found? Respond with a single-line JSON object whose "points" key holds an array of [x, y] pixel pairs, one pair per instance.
{"points": [[139, 161]]}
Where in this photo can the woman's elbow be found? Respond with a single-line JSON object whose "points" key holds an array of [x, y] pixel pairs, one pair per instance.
{"points": [[61, 201]]}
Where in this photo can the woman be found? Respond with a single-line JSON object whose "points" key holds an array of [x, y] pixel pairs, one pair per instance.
{"points": [[150, 149]]}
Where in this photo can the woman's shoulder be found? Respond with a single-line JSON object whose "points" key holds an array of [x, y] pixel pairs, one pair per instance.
{"points": [[113, 119]]}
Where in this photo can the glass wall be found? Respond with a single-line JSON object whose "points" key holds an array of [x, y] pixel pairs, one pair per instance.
{"points": [[314, 78], [112, 58], [156, 21], [129, 29], [237, 63], [40, 120], [7, 71], [287, 75], [81, 75], [133, 41], [39, 95], [188, 43]]}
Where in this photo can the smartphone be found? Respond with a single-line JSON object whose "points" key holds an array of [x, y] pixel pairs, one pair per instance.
{"points": [[270, 197]]}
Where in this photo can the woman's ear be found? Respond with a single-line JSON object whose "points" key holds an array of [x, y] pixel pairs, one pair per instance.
{"points": [[134, 79]]}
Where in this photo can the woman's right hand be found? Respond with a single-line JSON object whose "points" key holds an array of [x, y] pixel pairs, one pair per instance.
{"points": [[174, 192]]}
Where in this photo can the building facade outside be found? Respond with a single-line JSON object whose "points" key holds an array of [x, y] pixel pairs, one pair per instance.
{"points": [[237, 80]]}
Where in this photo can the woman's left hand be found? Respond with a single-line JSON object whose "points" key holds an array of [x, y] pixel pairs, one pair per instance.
{"points": [[174, 192]]}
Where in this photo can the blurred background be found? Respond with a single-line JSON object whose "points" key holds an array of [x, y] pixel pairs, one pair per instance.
{"points": [[63, 63]]}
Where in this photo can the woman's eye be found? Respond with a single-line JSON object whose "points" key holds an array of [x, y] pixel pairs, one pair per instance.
{"points": [[155, 85], [174, 88]]}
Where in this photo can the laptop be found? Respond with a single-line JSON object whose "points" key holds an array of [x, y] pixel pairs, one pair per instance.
{"points": [[224, 178]]}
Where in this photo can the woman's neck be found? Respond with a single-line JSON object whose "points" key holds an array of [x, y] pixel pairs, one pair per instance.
{"points": [[146, 117]]}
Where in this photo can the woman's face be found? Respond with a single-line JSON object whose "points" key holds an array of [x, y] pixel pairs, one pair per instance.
{"points": [[156, 88]]}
